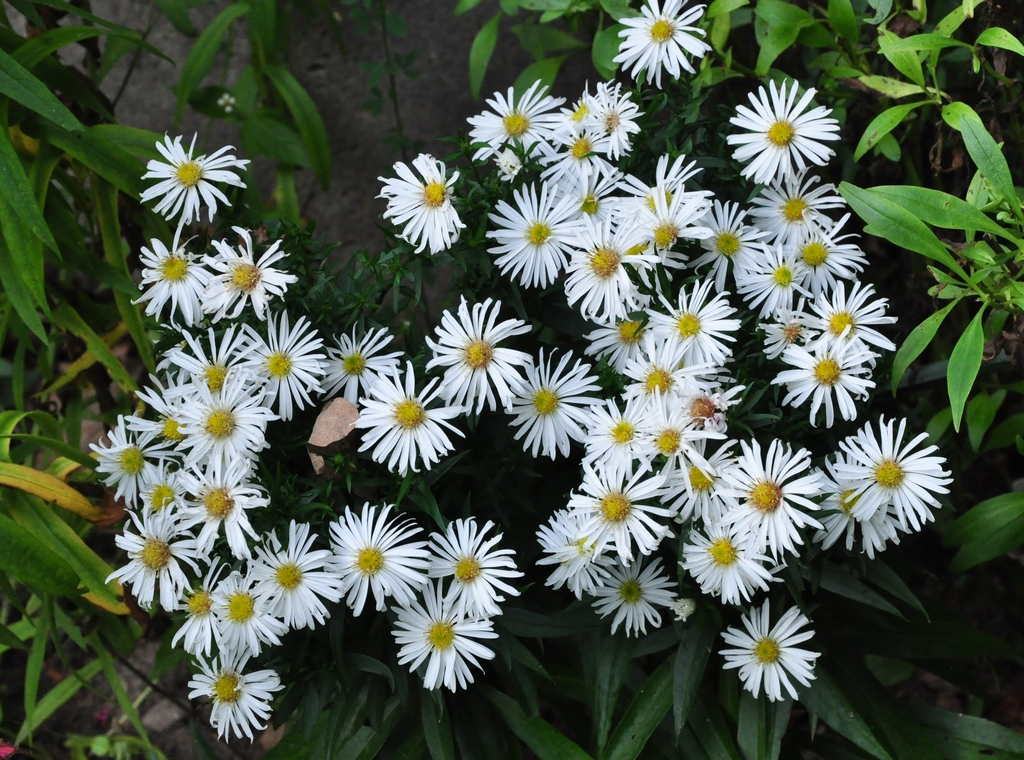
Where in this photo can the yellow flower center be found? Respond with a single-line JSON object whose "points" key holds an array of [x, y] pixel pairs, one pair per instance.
{"points": [[604, 262], [688, 325], [538, 233], [441, 635], [409, 413], [479, 354], [132, 460], [636, 250], [354, 364], [727, 243], [241, 607], [155, 554], [766, 651], [516, 124], [615, 507], [630, 330], [814, 254], [288, 576], [370, 560], [658, 380], [215, 376], [794, 209], [665, 235], [174, 268], [545, 401], [827, 371], [171, 430], [654, 206], [889, 474], [467, 570], [766, 496], [435, 194], [699, 480], [783, 276], [781, 134], [702, 407], [189, 173], [581, 148], [722, 552], [589, 205], [631, 592], [580, 113], [668, 442], [225, 688], [662, 30], [839, 322], [162, 495], [622, 432], [245, 277], [846, 503], [220, 424], [218, 503], [279, 365], [200, 603]]}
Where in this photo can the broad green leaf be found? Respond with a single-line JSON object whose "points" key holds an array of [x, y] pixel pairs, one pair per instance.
{"points": [[48, 488], [989, 158], [783, 22], [691, 659], [906, 62], [65, 317], [57, 697], [882, 125], [32, 562], [964, 363], [919, 42], [841, 582], [953, 112], [18, 196], [139, 143], [436, 728], [545, 71], [981, 412], [36, 49], [9, 640], [619, 9], [943, 210], [958, 729], [995, 36], [307, 119], [286, 196], [18, 295], [533, 625], [1006, 432], [203, 55], [367, 664], [606, 663], [546, 742], [722, 7], [19, 84], [894, 88], [177, 13], [915, 344], [761, 726], [643, 715], [606, 47], [990, 529], [824, 699], [882, 9], [480, 53], [269, 137]]}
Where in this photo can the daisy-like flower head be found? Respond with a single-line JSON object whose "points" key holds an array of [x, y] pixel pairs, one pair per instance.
{"points": [[220, 495], [241, 701], [240, 279], [886, 471], [659, 369], [781, 139], [701, 324], [618, 508], [156, 555], [578, 563], [614, 434], [699, 491], [479, 571], [434, 632], [197, 632], [244, 620], [768, 490], [550, 408], [400, 428], [791, 207], [846, 319], [632, 593], [669, 181], [772, 279], [126, 463], [592, 194], [828, 259], [576, 156], [166, 403], [707, 408], [186, 180], [230, 424], [667, 430], [731, 243], [355, 365], [172, 275], [838, 520], [373, 553], [295, 579], [508, 164], [770, 656], [530, 121], [291, 363], [842, 371], [724, 566], [619, 342], [675, 216], [789, 327], [533, 239], [597, 275], [661, 39], [422, 205], [162, 489], [476, 365], [210, 367], [613, 113]]}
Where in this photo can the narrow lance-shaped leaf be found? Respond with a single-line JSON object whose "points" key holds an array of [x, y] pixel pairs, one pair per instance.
{"points": [[65, 317], [915, 344], [989, 158], [203, 55], [480, 54], [964, 364], [48, 488], [17, 83], [32, 562], [882, 125], [995, 36], [307, 119], [546, 742], [643, 715]]}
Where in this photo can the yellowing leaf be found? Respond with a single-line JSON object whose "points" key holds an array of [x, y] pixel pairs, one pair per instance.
{"points": [[49, 489]]}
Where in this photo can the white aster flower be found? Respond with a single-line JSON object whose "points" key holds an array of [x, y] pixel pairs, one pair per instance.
{"points": [[155, 556], [613, 433], [355, 365], [707, 408], [241, 701], [372, 553], [422, 205], [846, 319], [781, 139], [675, 216], [290, 362], [230, 424], [613, 113], [162, 489], [197, 632], [817, 376], [186, 181], [618, 342], [508, 164], [578, 563], [838, 521], [447, 641], [210, 365], [772, 279], [791, 207], [699, 491], [632, 593], [166, 403], [576, 156], [661, 39], [698, 322], [660, 368], [731, 243], [669, 181], [220, 496], [724, 566], [789, 327], [400, 428], [530, 121], [244, 620], [592, 194], [667, 430], [771, 657], [478, 570], [241, 280], [476, 367], [550, 408], [828, 259], [172, 275], [126, 463]]}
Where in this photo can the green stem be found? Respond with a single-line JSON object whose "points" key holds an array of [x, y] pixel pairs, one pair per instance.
{"points": [[392, 86]]}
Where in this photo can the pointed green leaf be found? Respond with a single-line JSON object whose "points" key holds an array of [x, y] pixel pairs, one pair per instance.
{"points": [[65, 317], [56, 697], [307, 119], [18, 196], [917, 342], [989, 158], [643, 715], [964, 364], [824, 699], [995, 36], [480, 53], [882, 125], [546, 742], [943, 210], [691, 660], [33, 562], [605, 48], [19, 84], [843, 19], [203, 55], [545, 71], [436, 727]]}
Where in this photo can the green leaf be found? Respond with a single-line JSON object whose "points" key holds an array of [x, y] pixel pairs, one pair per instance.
{"points": [[606, 47], [203, 54], [709, 726], [915, 344], [691, 660], [722, 7], [906, 62], [58, 447], [138, 143], [57, 697], [841, 582], [643, 715], [824, 699], [987, 530], [47, 487], [286, 197], [882, 125], [989, 158], [619, 9], [65, 317], [995, 36], [843, 20], [368, 664], [307, 119], [117, 685], [953, 112], [18, 196], [545, 71], [1006, 432], [964, 363], [269, 137], [36, 49], [943, 210], [783, 23], [436, 728], [480, 53], [18, 294], [883, 576], [8, 640], [533, 625], [606, 664], [177, 13], [33, 563], [546, 742], [954, 730], [981, 412], [919, 42], [466, 5], [894, 88], [20, 85], [761, 726]]}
